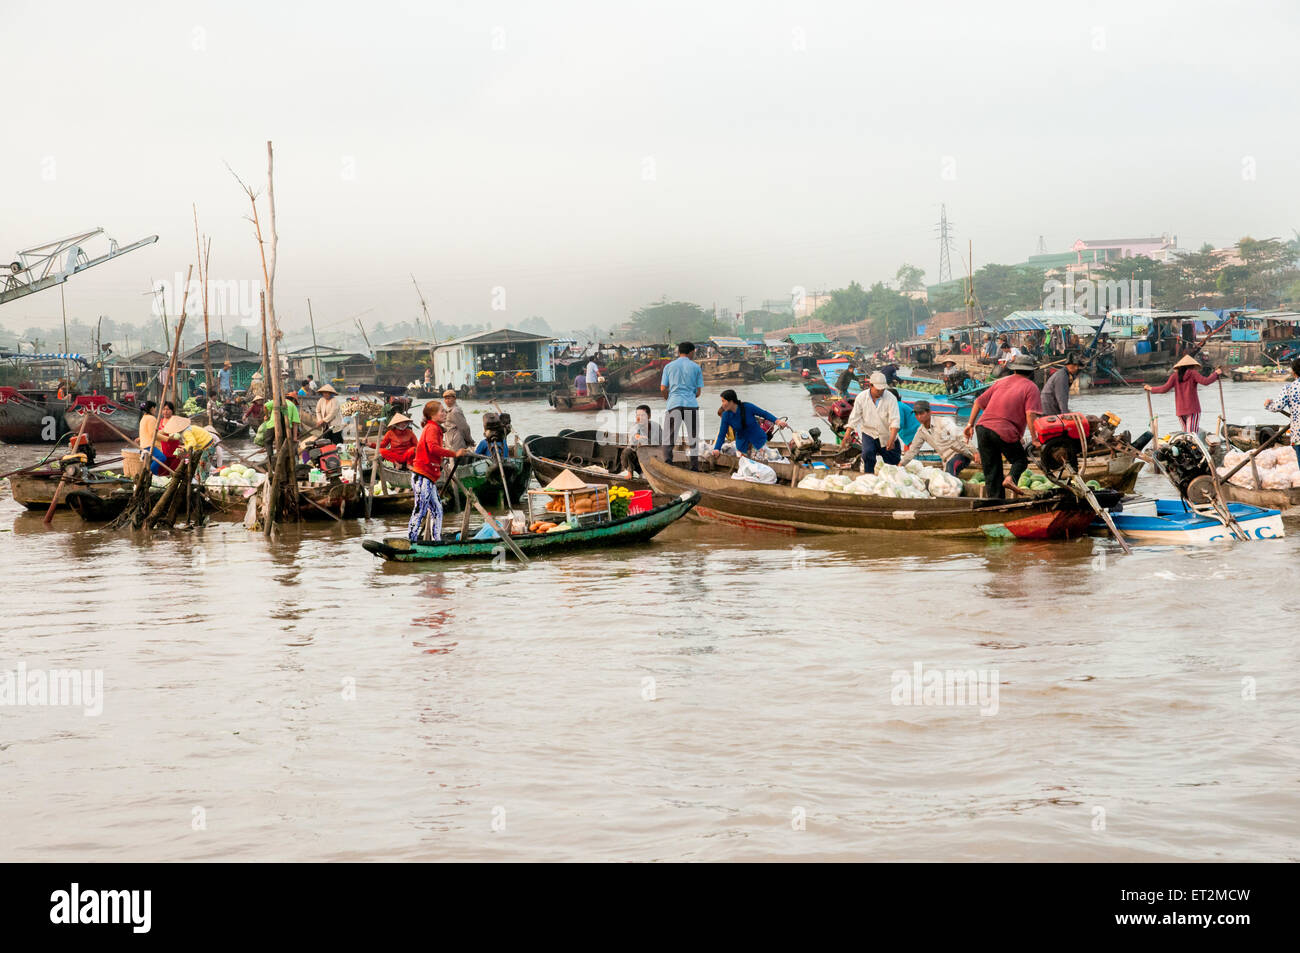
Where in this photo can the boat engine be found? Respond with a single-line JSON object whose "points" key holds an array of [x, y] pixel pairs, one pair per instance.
{"points": [[72, 466], [496, 427], [802, 447], [1187, 462], [324, 454], [1061, 440]]}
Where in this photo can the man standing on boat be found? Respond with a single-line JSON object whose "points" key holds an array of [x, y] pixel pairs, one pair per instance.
{"points": [[223, 381], [876, 419], [455, 427], [1055, 394], [943, 436], [593, 377], [1008, 407], [681, 384]]}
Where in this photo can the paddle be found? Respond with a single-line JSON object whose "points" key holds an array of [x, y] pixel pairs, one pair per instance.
{"points": [[491, 520], [1155, 434], [1222, 429], [54, 501]]}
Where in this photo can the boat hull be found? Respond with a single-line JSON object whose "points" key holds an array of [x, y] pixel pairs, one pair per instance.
{"points": [[785, 508], [105, 421], [1282, 500], [25, 421], [577, 451], [1172, 524], [36, 490], [634, 528]]}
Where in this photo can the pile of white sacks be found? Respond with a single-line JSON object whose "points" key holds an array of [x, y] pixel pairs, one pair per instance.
{"points": [[1278, 469], [912, 482]]}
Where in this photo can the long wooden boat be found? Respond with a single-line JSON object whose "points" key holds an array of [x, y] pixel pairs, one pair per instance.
{"points": [[338, 499], [95, 507], [1250, 436], [589, 403], [23, 420], [785, 508], [102, 411], [582, 452], [1286, 501], [480, 475], [36, 488], [636, 377], [633, 528]]}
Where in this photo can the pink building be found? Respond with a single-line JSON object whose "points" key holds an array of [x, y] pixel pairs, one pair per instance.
{"points": [[1097, 251]]}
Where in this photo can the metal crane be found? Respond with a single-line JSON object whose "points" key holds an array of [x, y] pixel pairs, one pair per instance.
{"points": [[44, 266]]}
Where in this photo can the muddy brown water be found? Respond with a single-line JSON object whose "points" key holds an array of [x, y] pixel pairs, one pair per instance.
{"points": [[716, 695]]}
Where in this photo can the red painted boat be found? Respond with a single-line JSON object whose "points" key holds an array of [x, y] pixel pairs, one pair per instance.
{"points": [[103, 412]]}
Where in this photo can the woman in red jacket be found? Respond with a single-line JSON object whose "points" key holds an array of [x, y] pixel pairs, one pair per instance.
{"points": [[1183, 382], [399, 441], [426, 467]]}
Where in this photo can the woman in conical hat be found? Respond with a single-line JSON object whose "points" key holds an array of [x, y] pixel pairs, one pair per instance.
{"points": [[1184, 380]]}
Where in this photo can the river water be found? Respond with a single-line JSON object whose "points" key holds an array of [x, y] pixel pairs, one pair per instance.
{"points": [[716, 695]]}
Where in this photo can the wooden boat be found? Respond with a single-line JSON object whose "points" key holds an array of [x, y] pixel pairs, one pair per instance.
{"points": [[1250, 436], [479, 474], [582, 452], [1287, 501], [102, 412], [580, 402], [23, 420], [36, 488], [1278, 375], [636, 377], [633, 528], [1171, 521], [1117, 472], [339, 499], [785, 508], [96, 507], [228, 420]]}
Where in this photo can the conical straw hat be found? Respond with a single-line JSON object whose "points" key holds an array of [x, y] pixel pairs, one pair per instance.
{"points": [[1187, 361], [568, 480]]}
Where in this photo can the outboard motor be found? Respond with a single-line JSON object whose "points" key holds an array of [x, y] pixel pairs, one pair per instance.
{"points": [[1186, 462], [324, 455]]}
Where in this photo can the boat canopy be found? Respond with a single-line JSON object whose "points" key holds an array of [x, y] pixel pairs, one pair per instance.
{"points": [[729, 342], [815, 337], [14, 355]]}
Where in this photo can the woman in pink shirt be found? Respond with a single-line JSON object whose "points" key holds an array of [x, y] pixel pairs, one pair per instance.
{"points": [[1183, 382]]}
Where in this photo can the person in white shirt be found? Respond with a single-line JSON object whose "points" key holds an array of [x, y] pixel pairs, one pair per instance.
{"points": [[593, 376], [944, 436], [876, 420]]}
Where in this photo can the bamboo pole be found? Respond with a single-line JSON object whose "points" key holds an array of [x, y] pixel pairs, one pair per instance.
{"points": [[203, 256]]}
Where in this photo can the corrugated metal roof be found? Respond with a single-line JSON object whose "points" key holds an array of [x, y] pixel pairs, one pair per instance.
{"points": [[1011, 323], [815, 337]]}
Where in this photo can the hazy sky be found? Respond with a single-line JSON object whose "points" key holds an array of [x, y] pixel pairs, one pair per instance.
{"points": [[590, 157]]}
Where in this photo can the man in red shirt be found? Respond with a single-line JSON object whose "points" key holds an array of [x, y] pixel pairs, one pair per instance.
{"points": [[1008, 407]]}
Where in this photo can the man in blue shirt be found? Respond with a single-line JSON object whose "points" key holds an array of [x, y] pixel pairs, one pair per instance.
{"points": [[681, 384], [223, 380], [744, 419]]}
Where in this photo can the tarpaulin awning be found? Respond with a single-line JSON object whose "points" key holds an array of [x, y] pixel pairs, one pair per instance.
{"points": [[729, 342], [814, 337], [1018, 324], [773, 342], [45, 357]]}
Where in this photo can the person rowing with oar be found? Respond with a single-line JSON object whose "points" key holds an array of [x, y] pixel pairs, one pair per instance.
{"points": [[1184, 380], [745, 421]]}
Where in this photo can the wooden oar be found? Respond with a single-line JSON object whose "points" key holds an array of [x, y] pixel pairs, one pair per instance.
{"points": [[63, 476], [1222, 429], [491, 520], [1155, 435]]}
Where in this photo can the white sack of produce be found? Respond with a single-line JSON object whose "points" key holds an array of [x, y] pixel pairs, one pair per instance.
{"points": [[811, 482], [944, 485], [747, 469], [914, 466]]}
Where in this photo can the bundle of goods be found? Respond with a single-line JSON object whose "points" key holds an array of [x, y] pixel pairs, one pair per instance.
{"points": [[747, 469], [937, 388], [542, 526], [766, 455], [237, 476], [570, 500], [1277, 466], [362, 409], [912, 482]]}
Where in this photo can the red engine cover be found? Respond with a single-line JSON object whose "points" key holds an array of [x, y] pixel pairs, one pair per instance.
{"points": [[1074, 426]]}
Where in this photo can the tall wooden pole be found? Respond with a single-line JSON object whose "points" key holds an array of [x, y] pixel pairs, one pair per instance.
{"points": [[203, 257], [315, 348]]}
